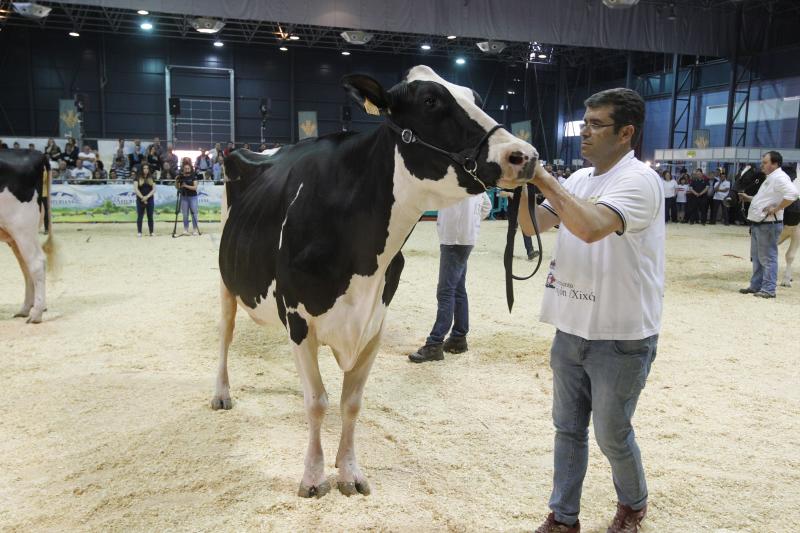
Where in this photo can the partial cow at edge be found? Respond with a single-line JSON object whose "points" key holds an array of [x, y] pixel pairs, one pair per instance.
{"points": [[23, 174], [312, 234]]}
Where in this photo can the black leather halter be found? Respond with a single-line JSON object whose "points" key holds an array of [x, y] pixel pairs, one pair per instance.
{"points": [[467, 159]]}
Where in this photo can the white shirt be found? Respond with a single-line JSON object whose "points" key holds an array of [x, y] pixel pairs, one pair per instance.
{"points": [[460, 223], [612, 289], [722, 191], [88, 159], [776, 188], [680, 192], [669, 188]]}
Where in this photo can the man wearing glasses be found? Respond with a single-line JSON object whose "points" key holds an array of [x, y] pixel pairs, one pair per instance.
{"points": [[604, 296]]}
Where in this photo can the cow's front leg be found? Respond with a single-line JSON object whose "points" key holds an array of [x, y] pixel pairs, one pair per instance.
{"points": [[314, 482], [25, 310], [351, 478]]}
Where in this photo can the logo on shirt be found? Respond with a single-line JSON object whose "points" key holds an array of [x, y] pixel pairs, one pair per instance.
{"points": [[567, 290]]}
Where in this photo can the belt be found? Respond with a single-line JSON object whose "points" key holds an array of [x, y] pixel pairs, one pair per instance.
{"points": [[765, 222]]}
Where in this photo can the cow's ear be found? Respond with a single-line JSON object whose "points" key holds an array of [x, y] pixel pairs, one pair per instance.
{"points": [[368, 92]]}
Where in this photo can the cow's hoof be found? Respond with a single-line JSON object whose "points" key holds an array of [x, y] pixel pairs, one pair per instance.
{"points": [[350, 488], [218, 403], [786, 284], [22, 313], [314, 491], [34, 319]]}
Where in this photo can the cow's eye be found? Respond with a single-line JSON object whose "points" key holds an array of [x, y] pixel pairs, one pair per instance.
{"points": [[430, 101]]}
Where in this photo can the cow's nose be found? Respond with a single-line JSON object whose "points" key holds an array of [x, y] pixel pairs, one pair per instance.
{"points": [[517, 158]]}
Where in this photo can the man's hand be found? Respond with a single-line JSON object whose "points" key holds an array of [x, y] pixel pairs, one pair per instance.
{"points": [[771, 210], [745, 198]]}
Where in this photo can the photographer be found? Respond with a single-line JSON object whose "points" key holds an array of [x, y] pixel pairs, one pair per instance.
{"points": [[187, 186]]}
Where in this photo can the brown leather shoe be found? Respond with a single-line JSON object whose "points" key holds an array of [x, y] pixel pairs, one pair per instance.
{"points": [[627, 520], [551, 526]]}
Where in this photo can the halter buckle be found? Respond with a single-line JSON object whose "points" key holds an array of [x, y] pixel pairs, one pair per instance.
{"points": [[407, 136], [470, 166]]}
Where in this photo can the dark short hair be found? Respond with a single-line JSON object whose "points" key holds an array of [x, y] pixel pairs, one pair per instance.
{"points": [[775, 157], [627, 109]]}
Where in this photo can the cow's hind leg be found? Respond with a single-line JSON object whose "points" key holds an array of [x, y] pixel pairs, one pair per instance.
{"points": [[222, 391], [31, 254], [314, 482], [794, 244], [351, 479], [25, 310]]}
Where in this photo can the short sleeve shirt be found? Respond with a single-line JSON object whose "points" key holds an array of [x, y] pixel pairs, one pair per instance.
{"points": [[611, 289]]}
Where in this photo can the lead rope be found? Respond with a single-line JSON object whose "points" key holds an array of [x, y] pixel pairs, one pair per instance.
{"points": [[508, 254]]}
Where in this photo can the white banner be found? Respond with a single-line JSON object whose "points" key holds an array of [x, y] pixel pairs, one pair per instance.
{"points": [[63, 196]]}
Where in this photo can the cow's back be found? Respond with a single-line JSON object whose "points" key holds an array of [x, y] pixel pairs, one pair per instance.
{"points": [[21, 173]]}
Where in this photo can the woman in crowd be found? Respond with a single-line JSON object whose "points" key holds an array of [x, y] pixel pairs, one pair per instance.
{"points": [[52, 150], [70, 154], [187, 186], [670, 206], [680, 197], [152, 157], [98, 176], [145, 189]]}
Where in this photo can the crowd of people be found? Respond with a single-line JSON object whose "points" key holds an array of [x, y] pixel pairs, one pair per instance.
{"points": [[698, 198], [77, 164]]}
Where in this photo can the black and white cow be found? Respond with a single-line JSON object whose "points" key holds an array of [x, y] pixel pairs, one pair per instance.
{"points": [[22, 175], [313, 234]]}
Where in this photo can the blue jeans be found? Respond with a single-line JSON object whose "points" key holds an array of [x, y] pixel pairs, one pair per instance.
{"points": [[764, 255], [451, 294], [604, 377], [189, 203]]}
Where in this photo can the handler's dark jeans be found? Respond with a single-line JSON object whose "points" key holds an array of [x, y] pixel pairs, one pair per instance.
{"points": [[140, 210], [604, 377], [671, 209], [451, 294]]}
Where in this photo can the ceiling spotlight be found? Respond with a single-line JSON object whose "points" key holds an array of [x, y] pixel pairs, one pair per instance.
{"points": [[74, 34], [491, 47], [31, 10], [218, 43], [283, 49], [619, 4], [671, 15], [294, 37], [542, 56], [425, 46], [345, 53], [460, 61], [146, 26], [511, 91], [356, 37], [207, 25], [451, 37], [143, 12]]}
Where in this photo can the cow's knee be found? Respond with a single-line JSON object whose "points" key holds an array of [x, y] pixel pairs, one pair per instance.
{"points": [[317, 405], [351, 406]]}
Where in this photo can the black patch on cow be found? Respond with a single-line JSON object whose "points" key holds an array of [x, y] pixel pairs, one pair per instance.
{"points": [[336, 227], [298, 329], [281, 307], [392, 278], [21, 173]]}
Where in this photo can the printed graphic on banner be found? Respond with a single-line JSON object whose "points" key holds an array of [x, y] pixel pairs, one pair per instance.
{"points": [[68, 124], [307, 124], [522, 130], [81, 197]]}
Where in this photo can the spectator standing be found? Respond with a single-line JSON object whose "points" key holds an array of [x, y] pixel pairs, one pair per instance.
{"points": [[721, 189], [187, 186], [698, 189], [230, 148], [203, 164], [217, 169], [216, 151], [145, 189], [458, 227], [670, 193], [680, 198]]}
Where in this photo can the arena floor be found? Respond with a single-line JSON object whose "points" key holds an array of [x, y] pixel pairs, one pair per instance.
{"points": [[107, 425]]}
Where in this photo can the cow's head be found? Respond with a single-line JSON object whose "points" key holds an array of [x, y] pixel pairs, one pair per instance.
{"points": [[748, 180], [448, 117]]}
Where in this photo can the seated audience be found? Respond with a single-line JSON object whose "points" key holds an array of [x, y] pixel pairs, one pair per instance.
{"points": [[52, 150]]}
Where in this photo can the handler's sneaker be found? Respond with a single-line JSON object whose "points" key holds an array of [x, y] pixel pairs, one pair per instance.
{"points": [[762, 294], [747, 290], [627, 520], [429, 352], [551, 526], [455, 345]]}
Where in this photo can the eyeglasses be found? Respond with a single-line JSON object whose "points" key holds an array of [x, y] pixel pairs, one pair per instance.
{"points": [[596, 126]]}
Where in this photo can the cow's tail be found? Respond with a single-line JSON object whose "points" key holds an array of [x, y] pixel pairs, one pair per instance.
{"points": [[49, 247]]}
